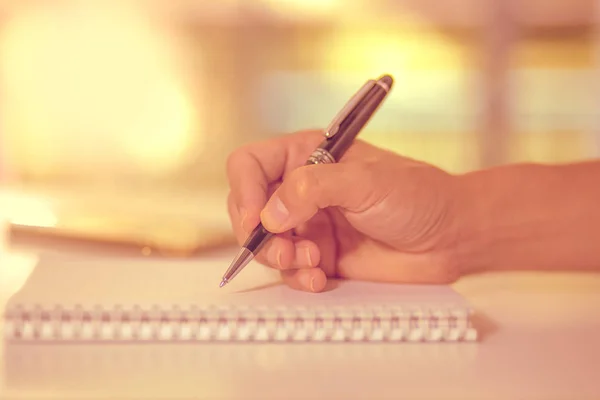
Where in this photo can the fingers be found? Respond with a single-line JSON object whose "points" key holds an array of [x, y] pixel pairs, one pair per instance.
{"points": [[252, 168], [292, 255], [254, 171], [310, 280], [289, 253], [283, 251], [236, 219], [306, 190], [376, 264], [320, 230]]}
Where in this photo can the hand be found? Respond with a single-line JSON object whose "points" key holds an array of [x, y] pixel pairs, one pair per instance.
{"points": [[373, 216]]}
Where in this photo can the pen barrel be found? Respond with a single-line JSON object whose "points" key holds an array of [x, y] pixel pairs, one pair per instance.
{"points": [[333, 148], [257, 239]]}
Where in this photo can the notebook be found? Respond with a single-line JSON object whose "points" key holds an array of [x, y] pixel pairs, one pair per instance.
{"points": [[79, 298]]}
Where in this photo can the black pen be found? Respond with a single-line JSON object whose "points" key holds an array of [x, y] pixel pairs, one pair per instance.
{"points": [[339, 136]]}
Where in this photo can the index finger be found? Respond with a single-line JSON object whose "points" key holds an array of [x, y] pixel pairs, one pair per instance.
{"points": [[252, 168]]}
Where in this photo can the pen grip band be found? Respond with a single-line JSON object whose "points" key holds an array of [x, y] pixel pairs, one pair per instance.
{"points": [[320, 156]]}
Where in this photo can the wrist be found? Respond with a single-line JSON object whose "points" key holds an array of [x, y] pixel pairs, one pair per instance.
{"points": [[529, 217], [501, 225], [473, 226]]}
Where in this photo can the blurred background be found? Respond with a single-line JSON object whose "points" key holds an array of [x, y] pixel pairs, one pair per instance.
{"points": [[122, 113]]}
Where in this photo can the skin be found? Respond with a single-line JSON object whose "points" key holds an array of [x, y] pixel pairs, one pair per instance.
{"points": [[378, 216]]}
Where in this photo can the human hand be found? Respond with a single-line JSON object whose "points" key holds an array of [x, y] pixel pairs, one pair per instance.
{"points": [[374, 215]]}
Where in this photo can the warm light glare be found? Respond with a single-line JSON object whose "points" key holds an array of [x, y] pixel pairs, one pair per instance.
{"points": [[15, 268], [396, 51], [28, 211], [305, 7], [94, 87]]}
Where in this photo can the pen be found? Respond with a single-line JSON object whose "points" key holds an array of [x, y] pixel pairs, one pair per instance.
{"points": [[339, 136]]}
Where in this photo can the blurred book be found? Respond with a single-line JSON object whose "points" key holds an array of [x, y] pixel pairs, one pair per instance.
{"points": [[173, 224]]}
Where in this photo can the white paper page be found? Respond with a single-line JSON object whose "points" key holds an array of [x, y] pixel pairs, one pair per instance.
{"points": [[109, 281]]}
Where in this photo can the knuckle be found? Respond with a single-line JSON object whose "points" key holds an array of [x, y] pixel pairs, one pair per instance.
{"points": [[304, 182], [369, 165]]}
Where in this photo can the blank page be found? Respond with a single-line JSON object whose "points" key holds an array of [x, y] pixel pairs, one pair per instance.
{"points": [[109, 281]]}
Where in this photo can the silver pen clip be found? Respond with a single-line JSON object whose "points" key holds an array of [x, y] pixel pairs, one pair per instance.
{"points": [[334, 126]]}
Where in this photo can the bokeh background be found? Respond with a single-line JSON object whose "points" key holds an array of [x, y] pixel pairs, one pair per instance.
{"points": [[139, 102]]}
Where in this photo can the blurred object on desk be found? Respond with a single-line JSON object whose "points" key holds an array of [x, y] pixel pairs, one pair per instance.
{"points": [[146, 225]]}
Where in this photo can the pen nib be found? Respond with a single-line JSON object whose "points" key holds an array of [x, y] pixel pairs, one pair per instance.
{"points": [[223, 283]]}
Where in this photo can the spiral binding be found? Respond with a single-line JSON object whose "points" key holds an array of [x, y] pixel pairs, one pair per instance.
{"points": [[237, 324]]}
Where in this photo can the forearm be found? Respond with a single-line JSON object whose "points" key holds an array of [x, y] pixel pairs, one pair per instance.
{"points": [[530, 217]]}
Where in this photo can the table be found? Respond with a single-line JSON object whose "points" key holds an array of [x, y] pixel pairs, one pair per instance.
{"points": [[540, 339]]}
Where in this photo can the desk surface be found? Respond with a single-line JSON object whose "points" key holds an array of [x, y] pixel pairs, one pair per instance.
{"points": [[540, 340]]}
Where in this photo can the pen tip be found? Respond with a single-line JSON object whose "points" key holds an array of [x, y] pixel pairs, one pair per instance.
{"points": [[387, 80], [223, 283]]}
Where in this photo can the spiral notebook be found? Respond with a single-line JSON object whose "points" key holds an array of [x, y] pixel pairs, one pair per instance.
{"points": [[74, 299]]}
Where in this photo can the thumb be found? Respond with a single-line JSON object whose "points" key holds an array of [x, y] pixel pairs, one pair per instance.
{"points": [[310, 188]]}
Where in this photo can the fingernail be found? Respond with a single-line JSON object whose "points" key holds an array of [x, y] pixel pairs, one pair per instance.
{"points": [[303, 256], [275, 213], [243, 216], [275, 256], [307, 281]]}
